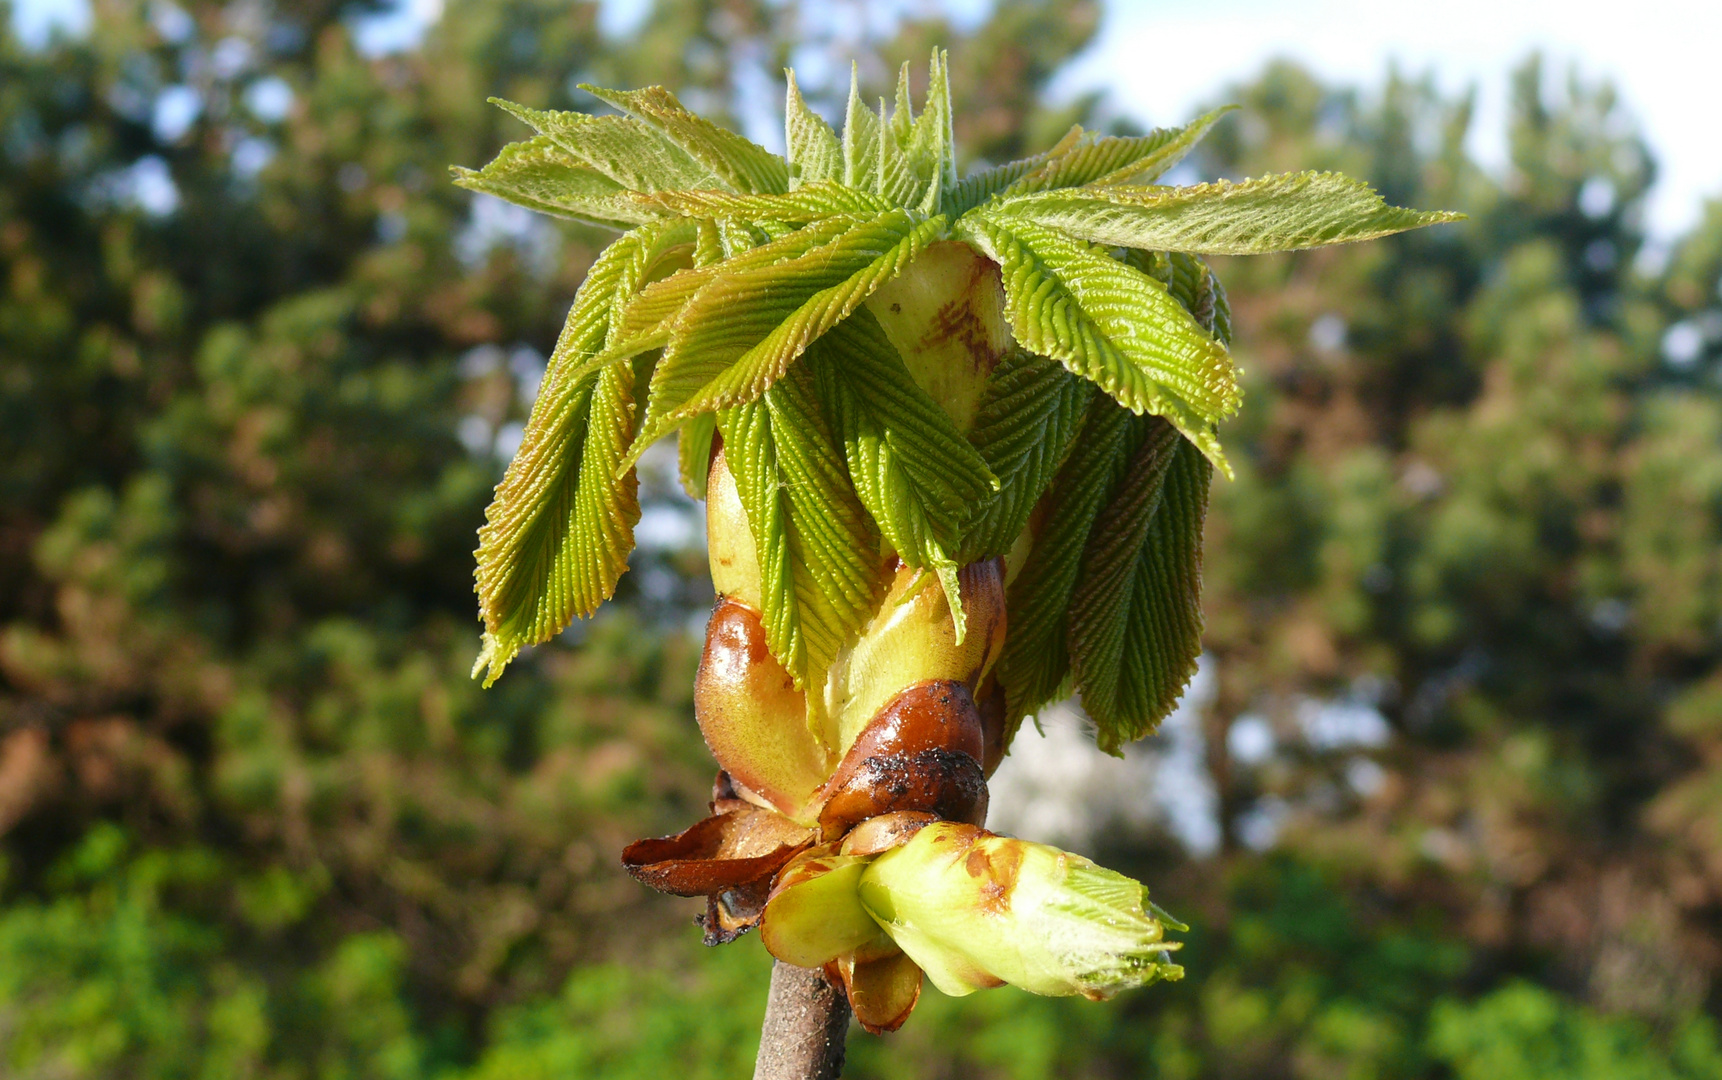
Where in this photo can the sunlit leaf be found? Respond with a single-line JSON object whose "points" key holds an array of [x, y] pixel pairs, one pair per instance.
{"points": [[818, 554], [633, 154], [1030, 413], [540, 175], [558, 533], [743, 329], [1091, 158], [742, 165], [814, 151], [807, 203], [1136, 614], [1111, 324], [1273, 213], [931, 146]]}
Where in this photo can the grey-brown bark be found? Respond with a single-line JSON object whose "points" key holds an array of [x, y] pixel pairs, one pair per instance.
{"points": [[806, 1022]]}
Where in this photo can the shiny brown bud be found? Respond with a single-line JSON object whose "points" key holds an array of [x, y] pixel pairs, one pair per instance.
{"points": [[921, 752], [752, 716]]}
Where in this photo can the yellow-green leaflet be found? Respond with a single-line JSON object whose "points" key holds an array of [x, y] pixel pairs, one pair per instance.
{"points": [[558, 533], [1252, 217], [1111, 324]]}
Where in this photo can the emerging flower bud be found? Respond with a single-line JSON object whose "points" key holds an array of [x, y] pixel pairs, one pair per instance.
{"points": [[975, 910], [814, 915]]}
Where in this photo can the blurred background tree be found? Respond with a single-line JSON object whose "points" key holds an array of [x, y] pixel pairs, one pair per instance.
{"points": [[260, 365]]}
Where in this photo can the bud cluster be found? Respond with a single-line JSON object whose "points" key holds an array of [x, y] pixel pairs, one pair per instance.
{"points": [[846, 820]]}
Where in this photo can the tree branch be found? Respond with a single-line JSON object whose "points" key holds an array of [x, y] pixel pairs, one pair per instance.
{"points": [[806, 1022]]}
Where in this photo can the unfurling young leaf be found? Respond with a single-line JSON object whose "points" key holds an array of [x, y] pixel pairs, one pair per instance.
{"points": [[1136, 614], [1084, 157], [540, 175], [1036, 661], [742, 329], [740, 164], [558, 533], [1251, 217], [1030, 413], [915, 473], [815, 154], [1111, 324], [818, 553]]}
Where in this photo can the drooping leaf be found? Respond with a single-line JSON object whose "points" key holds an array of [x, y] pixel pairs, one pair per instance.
{"points": [[1136, 615], [743, 165], [694, 453], [1273, 213], [1030, 413], [540, 175], [1189, 280], [1111, 324], [1036, 657], [914, 472], [1091, 158], [723, 247], [743, 329], [815, 155], [558, 533], [633, 154], [818, 553]]}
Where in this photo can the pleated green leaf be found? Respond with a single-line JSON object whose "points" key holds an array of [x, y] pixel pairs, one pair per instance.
{"points": [[931, 141], [814, 151], [818, 553], [914, 472], [557, 536], [1036, 660], [742, 165], [742, 330], [1086, 157], [650, 316], [694, 453], [1192, 283], [540, 175], [874, 159], [1111, 324], [1273, 213], [1027, 419], [807, 203], [983, 184], [636, 156], [1136, 614], [861, 130]]}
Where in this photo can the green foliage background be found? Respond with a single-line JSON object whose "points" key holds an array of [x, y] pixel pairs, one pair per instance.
{"points": [[255, 820]]}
